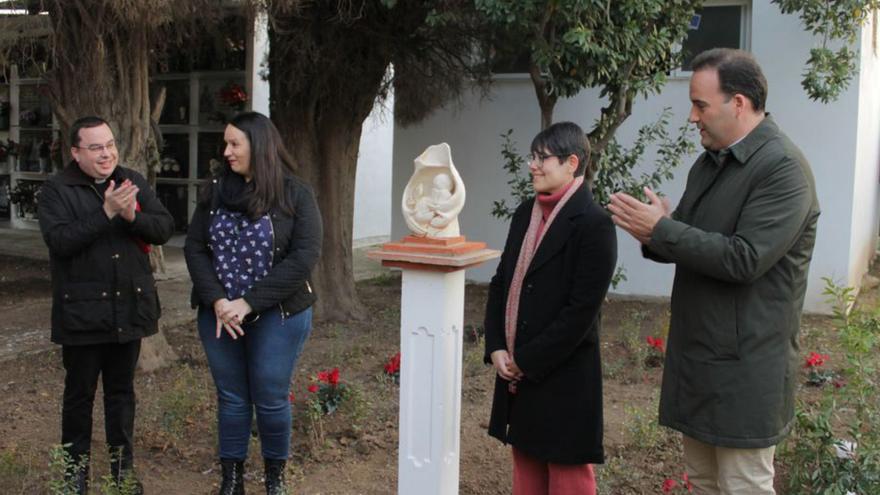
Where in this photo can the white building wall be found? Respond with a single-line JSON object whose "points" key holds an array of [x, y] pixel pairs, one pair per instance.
{"points": [[866, 192], [826, 134], [372, 191]]}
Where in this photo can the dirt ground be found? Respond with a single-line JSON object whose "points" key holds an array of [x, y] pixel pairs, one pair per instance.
{"points": [[175, 426]]}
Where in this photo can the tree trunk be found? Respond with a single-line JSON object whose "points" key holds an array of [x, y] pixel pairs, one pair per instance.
{"points": [[546, 101], [102, 69], [326, 151], [319, 108]]}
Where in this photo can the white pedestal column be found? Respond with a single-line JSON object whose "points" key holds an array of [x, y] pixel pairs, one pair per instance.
{"points": [[431, 319]]}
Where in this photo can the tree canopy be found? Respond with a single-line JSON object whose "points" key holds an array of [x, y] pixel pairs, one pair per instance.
{"points": [[831, 66], [625, 48]]}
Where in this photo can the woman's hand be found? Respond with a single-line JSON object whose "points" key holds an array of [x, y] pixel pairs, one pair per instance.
{"points": [[505, 366], [230, 315]]}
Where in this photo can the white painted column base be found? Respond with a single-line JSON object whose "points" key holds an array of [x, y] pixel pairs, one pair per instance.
{"points": [[431, 319]]}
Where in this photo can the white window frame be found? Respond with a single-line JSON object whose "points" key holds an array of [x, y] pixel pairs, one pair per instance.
{"points": [[745, 29]]}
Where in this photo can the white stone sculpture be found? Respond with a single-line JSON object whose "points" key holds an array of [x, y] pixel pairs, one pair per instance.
{"points": [[434, 195]]}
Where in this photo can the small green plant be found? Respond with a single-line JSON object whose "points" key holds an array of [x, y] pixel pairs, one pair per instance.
{"points": [[473, 357], [515, 165], [16, 471], [619, 277], [355, 408], [617, 475], [641, 428], [127, 486], [10, 465], [63, 470], [834, 447], [326, 395], [632, 341], [178, 404]]}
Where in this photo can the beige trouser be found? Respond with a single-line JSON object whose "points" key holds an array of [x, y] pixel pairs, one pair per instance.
{"points": [[723, 471]]}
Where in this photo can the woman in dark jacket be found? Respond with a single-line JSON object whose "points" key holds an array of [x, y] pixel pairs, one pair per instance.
{"points": [[542, 322], [251, 246]]}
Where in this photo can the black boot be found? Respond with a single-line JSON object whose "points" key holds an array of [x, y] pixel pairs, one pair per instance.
{"points": [[233, 477], [275, 477], [78, 479], [122, 472]]}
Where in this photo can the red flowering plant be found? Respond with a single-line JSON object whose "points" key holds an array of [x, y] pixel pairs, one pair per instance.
{"points": [[656, 351], [233, 95], [816, 374], [392, 368], [682, 485], [327, 392]]}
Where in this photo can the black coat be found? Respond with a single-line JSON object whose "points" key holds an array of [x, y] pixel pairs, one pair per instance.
{"points": [[297, 247], [102, 284], [556, 414]]}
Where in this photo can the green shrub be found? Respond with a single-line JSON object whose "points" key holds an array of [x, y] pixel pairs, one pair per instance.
{"points": [[834, 447]]}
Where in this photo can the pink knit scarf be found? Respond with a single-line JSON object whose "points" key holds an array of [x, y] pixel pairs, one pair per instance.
{"points": [[533, 238]]}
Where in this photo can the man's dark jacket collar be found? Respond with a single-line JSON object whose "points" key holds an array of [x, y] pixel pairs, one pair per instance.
{"points": [[72, 175], [763, 132]]}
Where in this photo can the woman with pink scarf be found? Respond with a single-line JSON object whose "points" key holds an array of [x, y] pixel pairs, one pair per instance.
{"points": [[542, 322]]}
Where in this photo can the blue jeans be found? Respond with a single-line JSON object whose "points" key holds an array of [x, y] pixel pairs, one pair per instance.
{"points": [[253, 372]]}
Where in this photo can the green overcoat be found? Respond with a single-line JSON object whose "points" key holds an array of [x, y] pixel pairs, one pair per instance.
{"points": [[741, 238]]}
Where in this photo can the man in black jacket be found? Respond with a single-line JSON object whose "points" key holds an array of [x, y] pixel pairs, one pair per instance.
{"points": [[98, 220]]}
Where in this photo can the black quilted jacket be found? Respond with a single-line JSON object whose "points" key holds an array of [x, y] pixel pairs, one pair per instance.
{"points": [[297, 241]]}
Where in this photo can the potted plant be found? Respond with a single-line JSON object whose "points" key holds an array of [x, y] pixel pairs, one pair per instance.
{"points": [[233, 96], [24, 195]]}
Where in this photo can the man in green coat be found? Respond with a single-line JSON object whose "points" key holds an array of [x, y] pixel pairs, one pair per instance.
{"points": [[741, 239]]}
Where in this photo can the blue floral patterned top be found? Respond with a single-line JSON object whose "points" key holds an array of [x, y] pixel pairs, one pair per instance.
{"points": [[242, 250]]}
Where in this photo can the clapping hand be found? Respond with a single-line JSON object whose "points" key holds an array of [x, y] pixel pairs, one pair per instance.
{"points": [[637, 218], [121, 200]]}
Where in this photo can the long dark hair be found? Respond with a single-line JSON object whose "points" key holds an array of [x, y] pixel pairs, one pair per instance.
{"points": [[270, 163]]}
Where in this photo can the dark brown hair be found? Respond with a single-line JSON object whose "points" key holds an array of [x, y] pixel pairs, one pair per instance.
{"points": [[270, 163], [738, 73], [563, 139], [84, 123]]}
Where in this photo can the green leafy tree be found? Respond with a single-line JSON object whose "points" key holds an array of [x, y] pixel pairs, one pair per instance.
{"points": [[625, 48], [837, 22]]}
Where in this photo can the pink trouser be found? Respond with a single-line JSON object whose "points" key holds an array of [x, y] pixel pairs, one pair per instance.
{"points": [[534, 477]]}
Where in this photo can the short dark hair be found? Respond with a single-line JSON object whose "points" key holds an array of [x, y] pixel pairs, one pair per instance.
{"points": [[84, 123], [738, 73], [563, 139]]}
